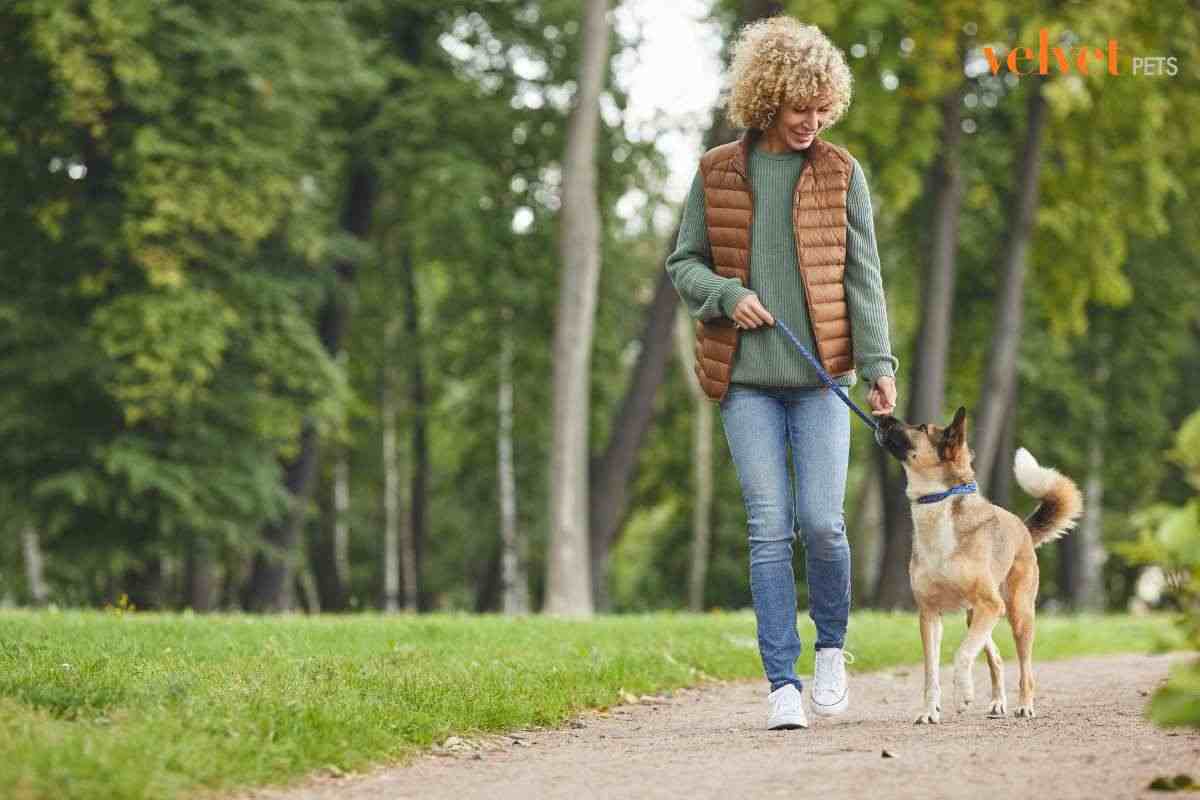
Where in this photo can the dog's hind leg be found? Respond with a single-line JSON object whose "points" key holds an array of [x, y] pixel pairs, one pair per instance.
{"points": [[931, 641], [986, 613], [1020, 616], [999, 705], [1023, 586]]}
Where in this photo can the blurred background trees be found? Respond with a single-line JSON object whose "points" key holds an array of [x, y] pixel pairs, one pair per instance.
{"points": [[279, 284]]}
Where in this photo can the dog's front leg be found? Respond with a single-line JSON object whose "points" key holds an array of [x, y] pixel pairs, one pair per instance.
{"points": [[931, 641], [985, 614]]}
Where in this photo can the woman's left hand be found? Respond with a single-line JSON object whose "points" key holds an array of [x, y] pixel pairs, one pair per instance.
{"points": [[882, 396]]}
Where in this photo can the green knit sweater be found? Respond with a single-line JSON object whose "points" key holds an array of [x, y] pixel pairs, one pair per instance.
{"points": [[765, 356]]}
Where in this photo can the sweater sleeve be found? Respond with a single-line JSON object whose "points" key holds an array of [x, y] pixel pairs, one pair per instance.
{"points": [[864, 286], [706, 294]]}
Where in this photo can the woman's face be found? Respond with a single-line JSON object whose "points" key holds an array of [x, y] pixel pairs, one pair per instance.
{"points": [[797, 122]]}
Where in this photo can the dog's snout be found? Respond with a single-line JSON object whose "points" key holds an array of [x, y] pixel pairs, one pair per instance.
{"points": [[890, 435]]}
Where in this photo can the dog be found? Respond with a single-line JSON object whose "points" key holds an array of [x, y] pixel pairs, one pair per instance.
{"points": [[970, 553]]}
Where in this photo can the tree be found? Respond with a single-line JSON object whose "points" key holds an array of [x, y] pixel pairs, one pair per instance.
{"points": [[568, 580], [177, 222]]}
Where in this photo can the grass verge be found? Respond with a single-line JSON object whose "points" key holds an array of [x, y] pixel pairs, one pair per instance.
{"points": [[133, 705]]}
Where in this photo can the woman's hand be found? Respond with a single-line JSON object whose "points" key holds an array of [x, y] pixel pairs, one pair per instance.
{"points": [[750, 313], [882, 396]]}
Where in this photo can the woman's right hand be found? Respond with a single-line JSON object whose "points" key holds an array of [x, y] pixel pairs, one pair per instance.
{"points": [[750, 313]]}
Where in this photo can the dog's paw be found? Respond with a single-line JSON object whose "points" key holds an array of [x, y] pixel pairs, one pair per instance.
{"points": [[964, 689], [965, 695], [999, 709], [1026, 711], [929, 718]]}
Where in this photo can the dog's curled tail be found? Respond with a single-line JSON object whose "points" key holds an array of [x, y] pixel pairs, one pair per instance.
{"points": [[1061, 505]]}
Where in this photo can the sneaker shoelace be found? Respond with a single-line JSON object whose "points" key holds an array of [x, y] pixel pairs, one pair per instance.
{"points": [[831, 672], [786, 702]]}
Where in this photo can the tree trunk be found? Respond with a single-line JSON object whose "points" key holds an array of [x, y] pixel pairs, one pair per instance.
{"points": [[145, 583], [568, 577], [236, 567], [514, 585], [307, 586], [612, 473], [1087, 589], [413, 535], [1081, 553], [272, 574], [200, 575], [702, 464], [927, 378], [1006, 330], [35, 579], [483, 580], [331, 554], [866, 535], [1002, 466], [270, 587], [391, 472], [893, 590]]}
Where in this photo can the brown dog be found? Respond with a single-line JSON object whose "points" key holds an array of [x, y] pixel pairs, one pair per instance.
{"points": [[969, 553]]}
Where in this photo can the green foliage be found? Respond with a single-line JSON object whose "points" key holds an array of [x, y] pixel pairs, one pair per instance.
{"points": [[176, 201], [1113, 160], [1170, 537], [175, 171]]}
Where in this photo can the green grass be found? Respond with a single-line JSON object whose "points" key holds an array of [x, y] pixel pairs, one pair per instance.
{"points": [[126, 705]]}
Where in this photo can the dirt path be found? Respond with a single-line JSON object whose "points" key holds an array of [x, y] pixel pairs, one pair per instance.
{"points": [[1089, 740]]}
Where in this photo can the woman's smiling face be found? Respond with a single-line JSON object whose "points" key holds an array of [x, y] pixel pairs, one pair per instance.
{"points": [[797, 122]]}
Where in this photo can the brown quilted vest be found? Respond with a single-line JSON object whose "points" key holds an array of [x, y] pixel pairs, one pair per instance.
{"points": [[819, 221]]}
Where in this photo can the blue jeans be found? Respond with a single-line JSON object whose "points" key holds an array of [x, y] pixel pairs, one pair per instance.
{"points": [[761, 422]]}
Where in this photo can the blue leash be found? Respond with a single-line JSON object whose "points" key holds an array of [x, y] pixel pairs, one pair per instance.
{"points": [[962, 488], [829, 381]]}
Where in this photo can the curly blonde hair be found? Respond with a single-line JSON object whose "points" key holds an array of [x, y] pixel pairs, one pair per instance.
{"points": [[781, 59]]}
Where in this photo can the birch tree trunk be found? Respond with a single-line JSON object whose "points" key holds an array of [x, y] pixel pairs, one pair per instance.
{"points": [[341, 532], [1006, 330], [412, 531], [514, 585], [35, 578], [392, 518], [330, 562], [1081, 553], [927, 379], [1088, 589], [569, 579], [409, 566], [702, 463]]}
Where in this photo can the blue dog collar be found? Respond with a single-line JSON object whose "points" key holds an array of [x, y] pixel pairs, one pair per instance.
{"points": [[962, 488]]}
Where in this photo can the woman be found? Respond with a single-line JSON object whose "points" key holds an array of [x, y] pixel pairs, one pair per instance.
{"points": [[779, 223]]}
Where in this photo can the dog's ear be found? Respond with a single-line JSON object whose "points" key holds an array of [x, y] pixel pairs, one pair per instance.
{"points": [[954, 439]]}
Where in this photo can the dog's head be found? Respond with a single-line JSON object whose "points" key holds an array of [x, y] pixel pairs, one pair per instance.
{"points": [[931, 451]]}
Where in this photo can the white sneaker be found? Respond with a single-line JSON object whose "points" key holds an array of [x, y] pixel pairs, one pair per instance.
{"points": [[787, 710], [830, 695]]}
